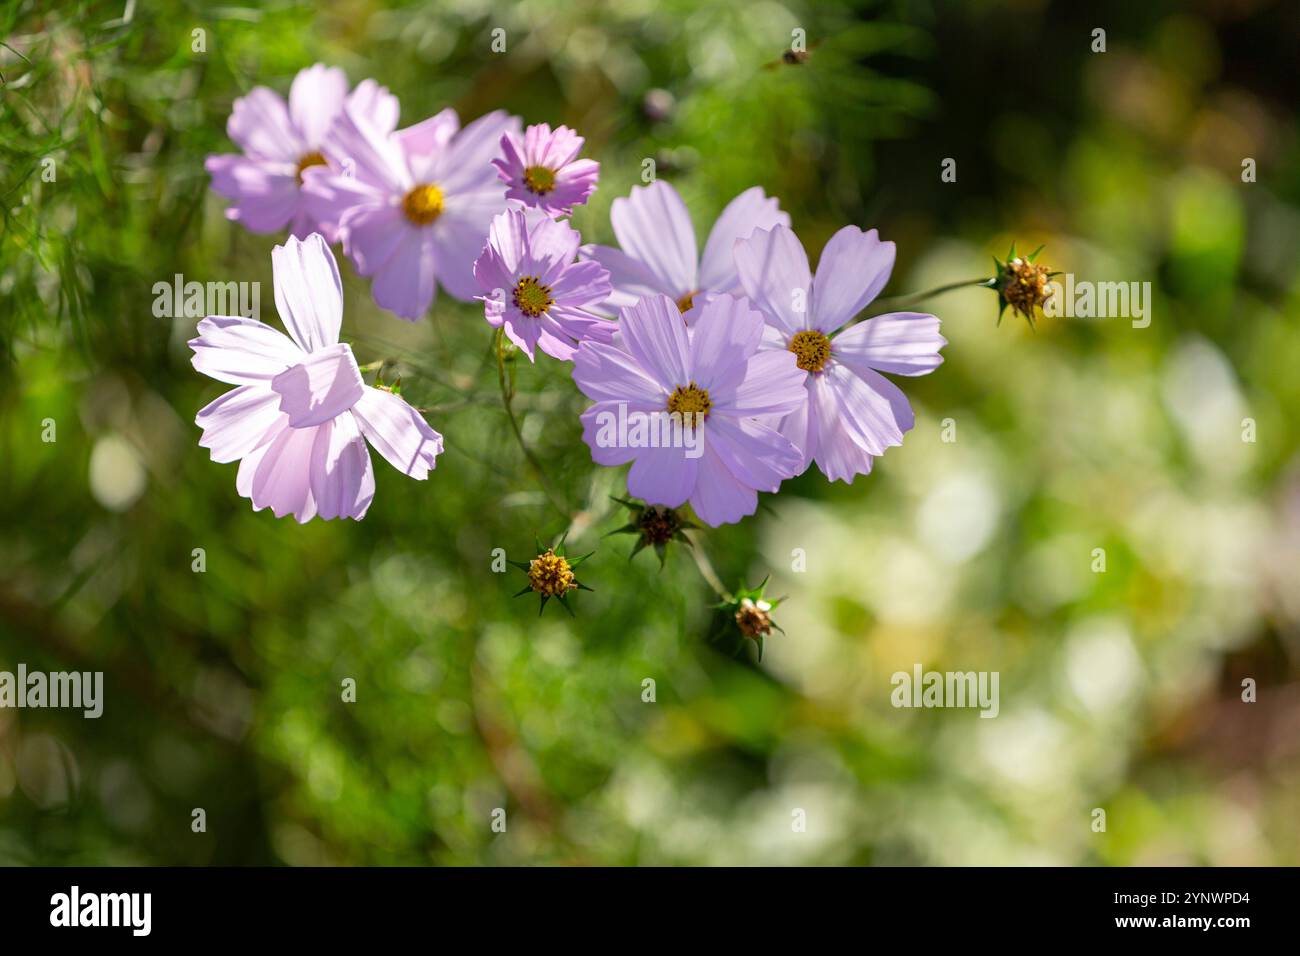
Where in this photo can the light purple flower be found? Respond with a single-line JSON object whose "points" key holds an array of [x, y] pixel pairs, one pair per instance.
{"points": [[536, 291], [658, 252], [299, 421], [417, 205], [544, 171], [853, 412], [281, 140], [714, 368]]}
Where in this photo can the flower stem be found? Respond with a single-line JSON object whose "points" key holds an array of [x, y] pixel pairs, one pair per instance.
{"points": [[507, 396], [706, 567], [895, 301]]}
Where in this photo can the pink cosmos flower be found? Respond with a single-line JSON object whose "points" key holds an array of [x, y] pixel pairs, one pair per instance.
{"points": [[417, 204], [658, 253], [544, 171], [713, 369], [535, 289], [853, 412], [281, 140], [301, 415]]}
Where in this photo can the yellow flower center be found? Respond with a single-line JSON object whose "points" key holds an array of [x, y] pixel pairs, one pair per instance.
{"points": [[811, 350], [423, 204], [539, 179], [549, 574], [685, 303], [310, 159], [531, 297], [690, 400]]}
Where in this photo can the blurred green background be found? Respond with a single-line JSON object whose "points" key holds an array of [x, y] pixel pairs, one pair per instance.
{"points": [[1119, 690]]}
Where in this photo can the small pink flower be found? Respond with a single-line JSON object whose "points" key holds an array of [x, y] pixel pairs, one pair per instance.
{"points": [[544, 171], [280, 141], [300, 418], [535, 289]]}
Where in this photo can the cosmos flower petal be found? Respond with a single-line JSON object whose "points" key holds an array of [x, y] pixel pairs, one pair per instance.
{"points": [[375, 101], [749, 211], [719, 497], [854, 267], [607, 372], [654, 334], [342, 479], [308, 291], [321, 387], [241, 351], [724, 334], [315, 99], [466, 164], [398, 432], [424, 143], [838, 452], [236, 422], [800, 426], [773, 385], [629, 278], [266, 195], [259, 122], [372, 234], [773, 270], [404, 284], [755, 453], [653, 227], [582, 284], [662, 476], [904, 343], [281, 479]]}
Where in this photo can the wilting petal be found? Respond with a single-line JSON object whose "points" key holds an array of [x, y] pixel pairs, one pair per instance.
{"points": [[241, 351], [773, 269], [398, 432], [854, 267], [751, 210], [236, 422], [653, 226], [342, 480], [321, 387], [719, 496], [662, 476], [308, 292], [905, 343]]}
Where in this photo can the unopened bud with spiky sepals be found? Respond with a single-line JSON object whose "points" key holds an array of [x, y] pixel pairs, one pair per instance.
{"points": [[551, 575], [655, 526], [1021, 283], [749, 612]]}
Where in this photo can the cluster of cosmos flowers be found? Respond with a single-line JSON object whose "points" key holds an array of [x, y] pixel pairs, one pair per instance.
{"points": [[761, 359]]}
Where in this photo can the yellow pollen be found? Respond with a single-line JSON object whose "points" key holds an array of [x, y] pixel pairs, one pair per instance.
{"points": [[811, 350], [310, 159], [1025, 285], [685, 303], [539, 179], [531, 297], [549, 574], [423, 204], [690, 400]]}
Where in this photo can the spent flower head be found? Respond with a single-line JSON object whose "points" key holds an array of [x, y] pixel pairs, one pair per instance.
{"points": [[748, 613], [1021, 283], [552, 575], [655, 526]]}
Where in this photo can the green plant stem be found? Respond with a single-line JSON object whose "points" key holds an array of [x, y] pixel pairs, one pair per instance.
{"points": [[706, 567], [892, 304], [507, 397]]}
